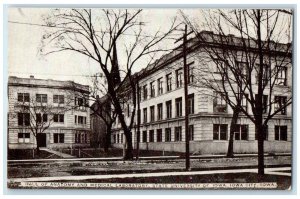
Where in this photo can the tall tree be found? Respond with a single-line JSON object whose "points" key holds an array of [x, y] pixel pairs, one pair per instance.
{"points": [[250, 65], [94, 33]]}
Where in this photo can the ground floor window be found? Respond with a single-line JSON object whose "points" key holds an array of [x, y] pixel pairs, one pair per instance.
{"points": [[168, 134], [118, 138], [159, 135], [220, 131], [281, 133], [191, 132], [24, 137], [80, 137], [151, 136], [144, 136], [121, 135], [241, 132], [59, 138], [178, 133]]}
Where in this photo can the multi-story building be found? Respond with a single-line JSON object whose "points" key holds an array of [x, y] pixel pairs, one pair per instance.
{"points": [[47, 113], [162, 111]]}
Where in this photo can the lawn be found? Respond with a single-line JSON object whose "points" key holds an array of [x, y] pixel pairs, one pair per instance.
{"points": [[22, 154]]}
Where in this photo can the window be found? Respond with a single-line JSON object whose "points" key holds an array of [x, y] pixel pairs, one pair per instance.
{"points": [[169, 81], [280, 103], [23, 97], [145, 115], [81, 120], [178, 133], [179, 78], [145, 92], [118, 138], [220, 131], [219, 103], [265, 75], [140, 94], [191, 132], [121, 136], [59, 138], [241, 132], [159, 111], [151, 136], [159, 135], [178, 102], [169, 109], [281, 133], [190, 74], [265, 132], [264, 103], [24, 137], [160, 86], [152, 89], [244, 102], [23, 119], [79, 101], [59, 118], [152, 113], [243, 70], [168, 134], [39, 117], [191, 103], [59, 99], [42, 98], [75, 119], [144, 136], [281, 78]]}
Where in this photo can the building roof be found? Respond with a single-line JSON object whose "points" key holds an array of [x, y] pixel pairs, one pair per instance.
{"points": [[47, 83]]}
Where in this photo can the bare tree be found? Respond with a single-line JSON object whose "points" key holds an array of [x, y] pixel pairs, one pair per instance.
{"points": [[248, 65], [94, 33]]}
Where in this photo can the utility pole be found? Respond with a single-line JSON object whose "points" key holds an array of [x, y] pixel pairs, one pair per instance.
{"points": [[186, 118], [138, 120]]}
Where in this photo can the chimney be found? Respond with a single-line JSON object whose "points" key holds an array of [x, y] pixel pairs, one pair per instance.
{"points": [[31, 77]]}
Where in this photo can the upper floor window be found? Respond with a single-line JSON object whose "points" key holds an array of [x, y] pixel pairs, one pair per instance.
{"points": [[219, 103], [241, 132], [41, 118], [152, 113], [281, 75], [81, 120], [59, 118], [169, 81], [152, 89], [160, 86], [159, 111], [144, 137], [178, 102], [265, 75], [179, 78], [139, 94], [220, 131], [145, 115], [244, 102], [264, 103], [145, 92], [23, 97], [280, 103], [80, 101], [169, 109], [42, 98], [59, 99], [191, 132], [281, 133], [191, 77], [24, 119], [191, 103]]}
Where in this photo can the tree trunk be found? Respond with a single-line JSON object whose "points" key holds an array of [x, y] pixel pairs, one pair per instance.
{"points": [[107, 142], [129, 149], [37, 145], [231, 133], [260, 148]]}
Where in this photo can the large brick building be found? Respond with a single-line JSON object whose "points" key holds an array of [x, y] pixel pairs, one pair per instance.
{"points": [[56, 110], [162, 111]]}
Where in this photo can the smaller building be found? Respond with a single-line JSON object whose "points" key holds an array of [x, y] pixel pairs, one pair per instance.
{"points": [[47, 113]]}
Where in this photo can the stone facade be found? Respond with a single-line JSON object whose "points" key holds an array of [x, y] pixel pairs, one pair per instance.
{"points": [[160, 131], [69, 128]]}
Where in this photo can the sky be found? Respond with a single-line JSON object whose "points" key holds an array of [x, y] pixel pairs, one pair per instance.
{"points": [[24, 41]]}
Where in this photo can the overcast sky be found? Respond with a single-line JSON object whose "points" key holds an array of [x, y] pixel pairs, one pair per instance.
{"points": [[24, 40]]}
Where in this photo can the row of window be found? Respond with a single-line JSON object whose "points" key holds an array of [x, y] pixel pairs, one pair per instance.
{"points": [[241, 132], [160, 89], [220, 132], [220, 105], [43, 98], [168, 104], [57, 138]]}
